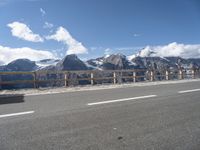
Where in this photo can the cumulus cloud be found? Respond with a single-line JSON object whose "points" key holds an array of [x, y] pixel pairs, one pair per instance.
{"points": [[74, 47], [43, 12], [146, 52], [22, 31], [172, 49], [8, 54], [48, 25]]}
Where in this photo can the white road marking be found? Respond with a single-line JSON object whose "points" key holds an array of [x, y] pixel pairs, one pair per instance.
{"points": [[189, 91], [121, 100], [47, 93], [16, 114]]}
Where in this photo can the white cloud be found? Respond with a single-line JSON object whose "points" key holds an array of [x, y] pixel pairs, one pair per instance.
{"points": [[136, 35], [43, 12], [74, 47], [22, 31], [48, 25], [8, 54], [146, 52], [172, 49], [107, 51]]}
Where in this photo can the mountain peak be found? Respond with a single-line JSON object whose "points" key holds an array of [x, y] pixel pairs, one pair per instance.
{"points": [[71, 62], [21, 65]]}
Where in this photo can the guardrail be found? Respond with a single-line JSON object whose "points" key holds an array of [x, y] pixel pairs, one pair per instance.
{"points": [[67, 78]]}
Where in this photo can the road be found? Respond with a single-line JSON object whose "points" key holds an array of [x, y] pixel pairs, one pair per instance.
{"points": [[147, 117]]}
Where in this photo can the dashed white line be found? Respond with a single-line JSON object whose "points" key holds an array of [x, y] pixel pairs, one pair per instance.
{"points": [[16, 114], [121, 100], [189, 91]]}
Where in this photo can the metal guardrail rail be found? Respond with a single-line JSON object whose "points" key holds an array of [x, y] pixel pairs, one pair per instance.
{"points": [[94, 76]]}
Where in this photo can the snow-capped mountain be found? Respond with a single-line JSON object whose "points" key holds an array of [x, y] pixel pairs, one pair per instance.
{"points": [[112, 62], [146, 60]]}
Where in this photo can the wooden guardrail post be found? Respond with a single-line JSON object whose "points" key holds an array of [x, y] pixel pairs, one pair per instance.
{"points": [[167, 75], [180, 74], [152, 75], [34, 80], [134, 76], [193, 73], [92, 78], [0, 82], [66, 79], [114, 78]]}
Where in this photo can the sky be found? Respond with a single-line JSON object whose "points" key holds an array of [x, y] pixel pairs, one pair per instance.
{"points": [[39, 29]]}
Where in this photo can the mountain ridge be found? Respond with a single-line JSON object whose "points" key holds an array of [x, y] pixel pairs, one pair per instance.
{"points": [[109, 62]]}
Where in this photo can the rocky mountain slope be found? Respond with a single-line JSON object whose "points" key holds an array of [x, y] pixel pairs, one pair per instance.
{"points": [[20, 65], [111, 62]]}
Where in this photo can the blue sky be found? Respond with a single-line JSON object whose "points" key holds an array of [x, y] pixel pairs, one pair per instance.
{"points": [[100, 26]]}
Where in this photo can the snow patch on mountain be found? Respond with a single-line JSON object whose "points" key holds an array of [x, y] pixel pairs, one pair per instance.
{"points": [[92, 67], [47, 62]]}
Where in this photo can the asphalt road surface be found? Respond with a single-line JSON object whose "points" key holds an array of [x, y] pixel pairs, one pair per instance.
{"points": [[140, 118]]}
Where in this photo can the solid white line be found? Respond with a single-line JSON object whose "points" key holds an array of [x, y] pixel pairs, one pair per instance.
{"points": [[16, 114], [189, 91], [121, 100], [47, 93]]}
